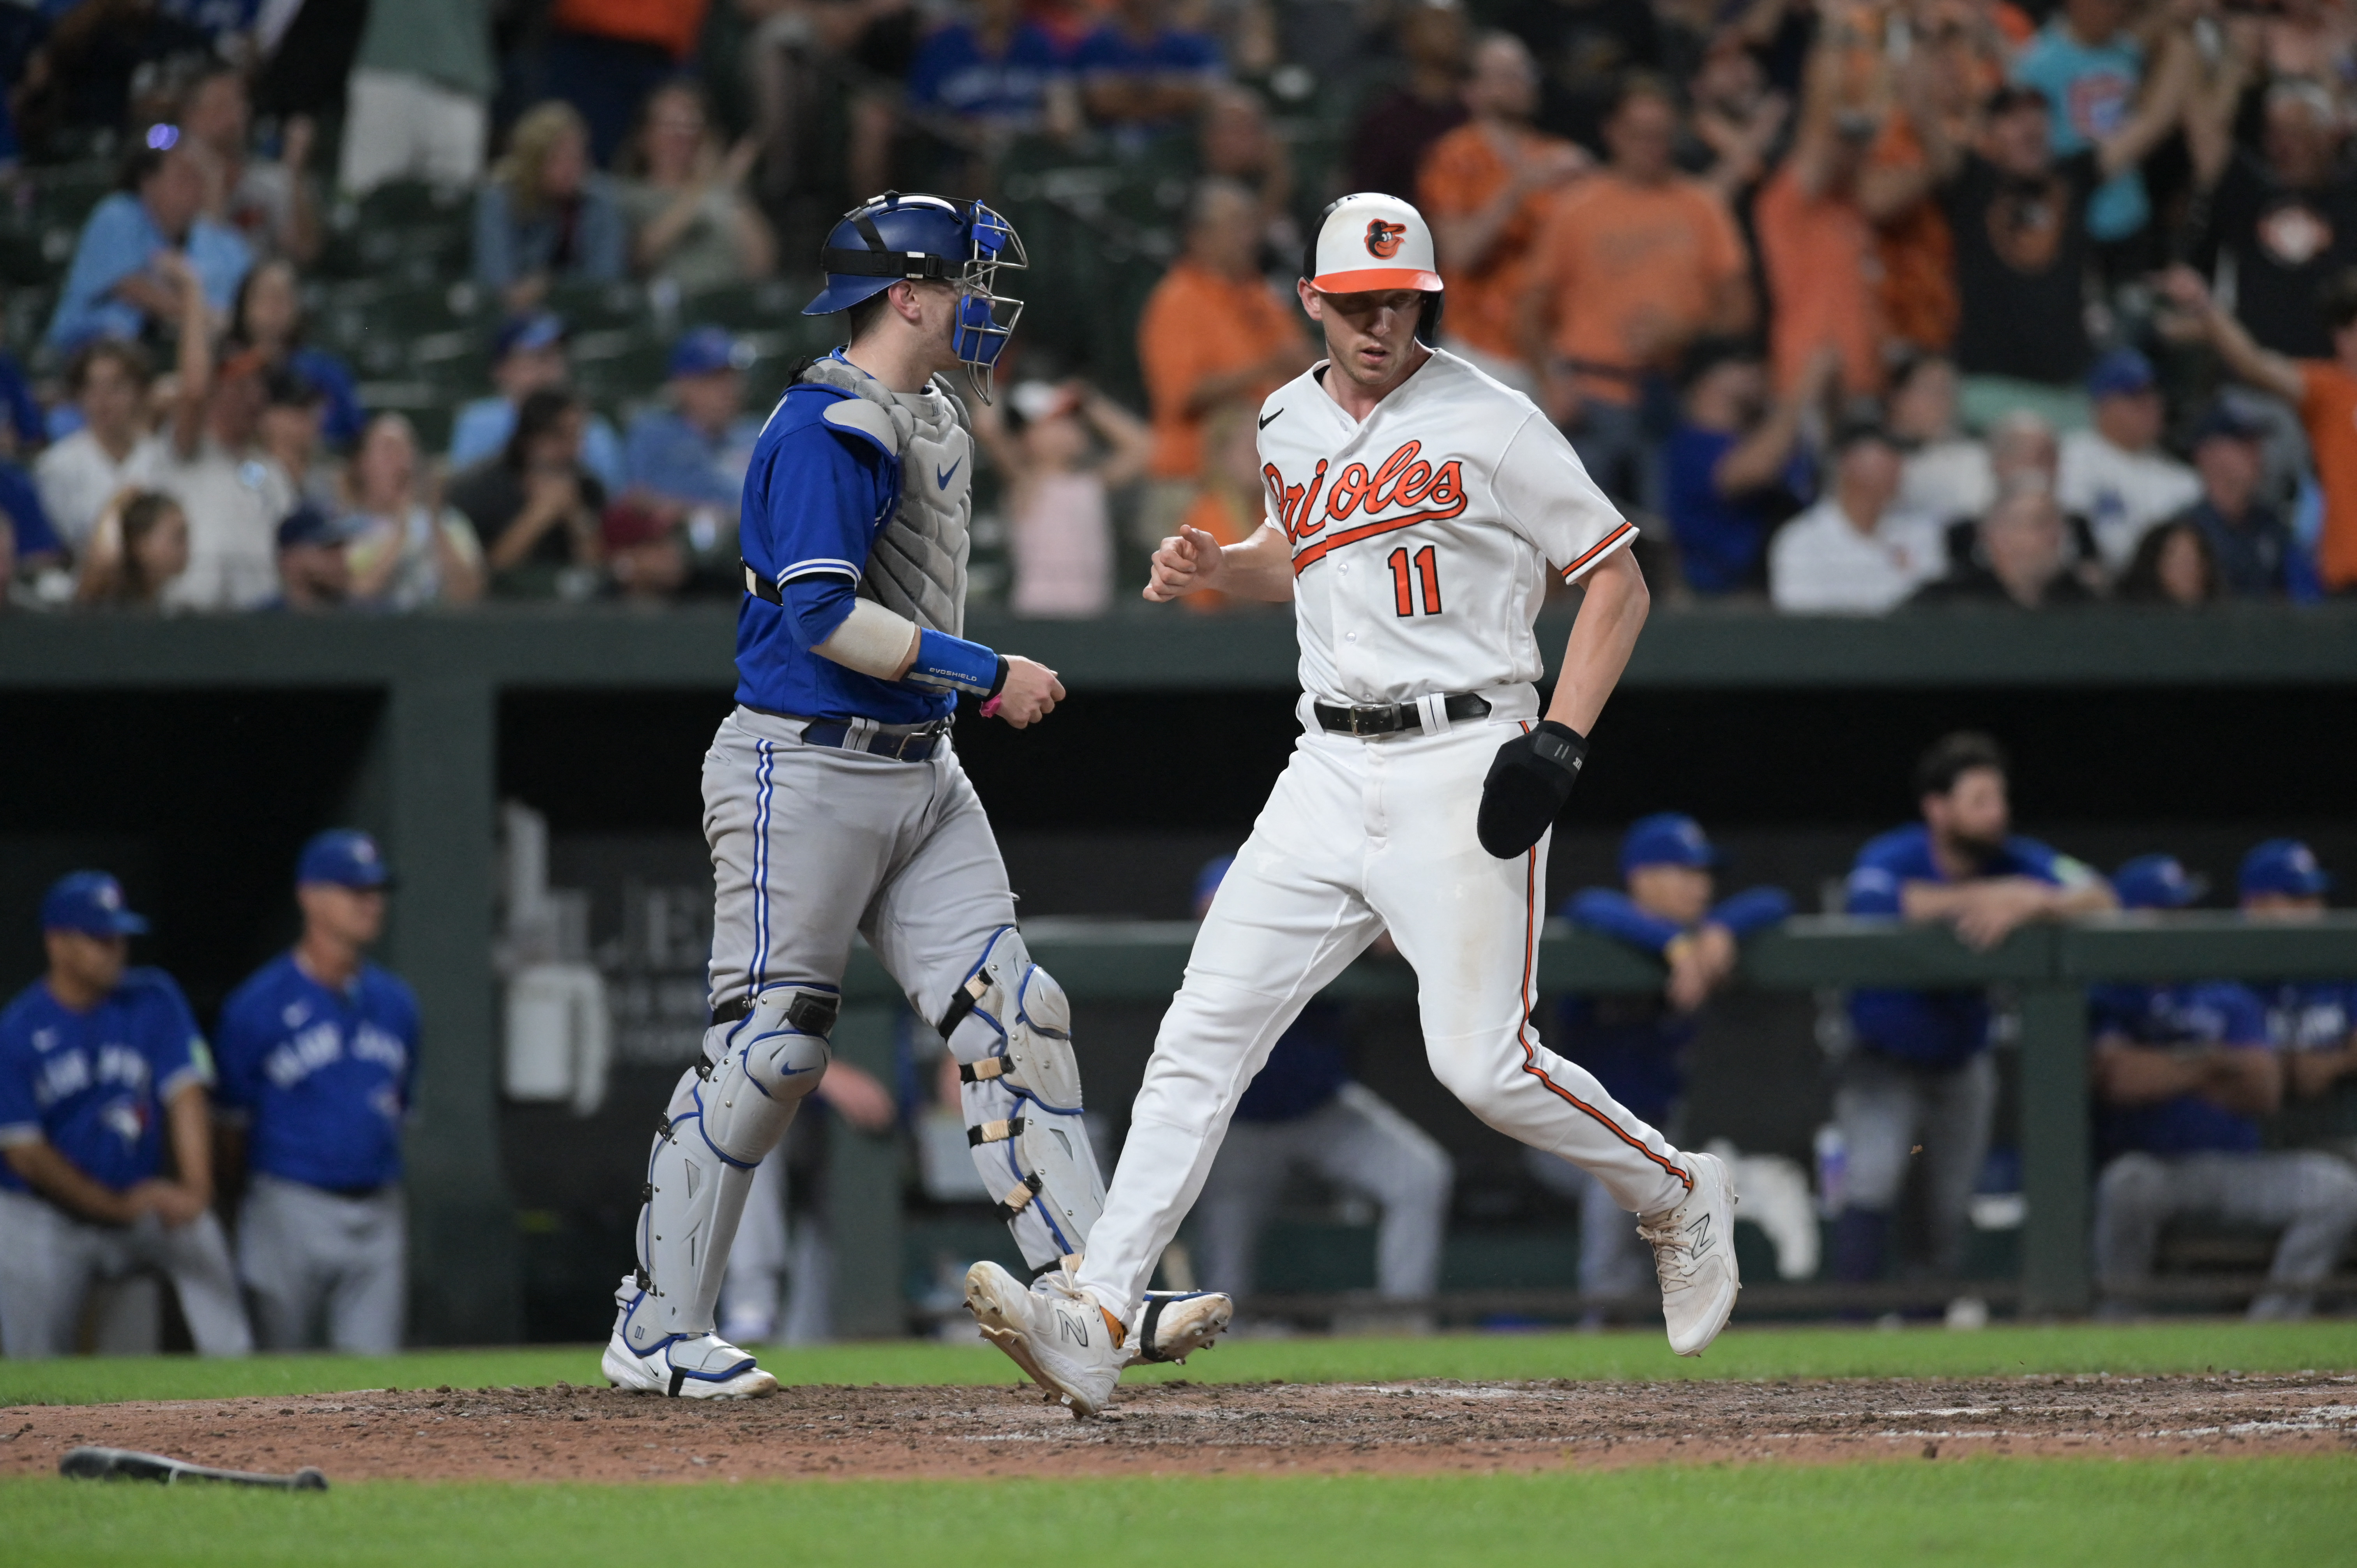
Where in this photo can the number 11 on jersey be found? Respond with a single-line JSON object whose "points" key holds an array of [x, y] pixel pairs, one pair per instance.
{"points": [[1426, 577]]}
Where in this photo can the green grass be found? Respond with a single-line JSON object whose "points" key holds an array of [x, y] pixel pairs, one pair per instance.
{"points": [[2183, 1346], [2243, 1514]]}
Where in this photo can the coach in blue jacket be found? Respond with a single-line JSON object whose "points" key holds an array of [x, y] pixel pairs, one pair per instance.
{"points": [[318, 1052]]}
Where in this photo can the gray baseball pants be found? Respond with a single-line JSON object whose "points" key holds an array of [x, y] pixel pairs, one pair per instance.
{"points": [[1886, 1106], [2311, 1195], [324, 1269], [812, 844], [1355, 1140], [48, 1261]]}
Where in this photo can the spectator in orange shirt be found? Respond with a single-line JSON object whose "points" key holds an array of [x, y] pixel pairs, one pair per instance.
{"points": [[1818, 249], [1484, 188], [1634, 262], [2323, 390], [1212, 331]]}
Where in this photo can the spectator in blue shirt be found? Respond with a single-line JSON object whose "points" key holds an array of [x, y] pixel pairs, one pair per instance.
{"points": [[1733, 466], [686, 461], [1304, 1111], [545, 212], [995, 73], [1918, 1071], [100, 1064], [527, 357], [2182, 1074], [2091, 69], [319, 1051], [1138, 70], [112, 290], [1635, 1043], [2312, 1022]]}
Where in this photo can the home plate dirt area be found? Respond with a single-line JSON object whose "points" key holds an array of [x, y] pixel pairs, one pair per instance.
{"points": [[596, 1434]]}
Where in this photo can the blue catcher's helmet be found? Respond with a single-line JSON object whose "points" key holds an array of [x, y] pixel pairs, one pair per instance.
{"points": [[894, 237]]}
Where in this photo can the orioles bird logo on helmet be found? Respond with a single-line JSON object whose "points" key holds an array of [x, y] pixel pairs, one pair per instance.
{"points": [[1383, 239]]}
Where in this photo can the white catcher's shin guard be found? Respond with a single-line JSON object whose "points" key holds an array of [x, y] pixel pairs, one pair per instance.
{"points": [[1009, 1025], [727, 1113]]}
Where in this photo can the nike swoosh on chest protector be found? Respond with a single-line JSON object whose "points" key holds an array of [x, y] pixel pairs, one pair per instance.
{"points": [[946, 475]]}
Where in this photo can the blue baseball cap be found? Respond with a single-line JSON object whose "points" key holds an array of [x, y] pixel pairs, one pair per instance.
{"points": [[707, 350], [90, 902], [2157, 882], [345, 856], [1207, 881], [2283, 865], [1667, 838], [523, 334], [2123, 372], [310, 524]]}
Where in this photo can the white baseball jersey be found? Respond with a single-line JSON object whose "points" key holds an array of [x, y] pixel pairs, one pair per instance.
{"points": [[1422, 537]]}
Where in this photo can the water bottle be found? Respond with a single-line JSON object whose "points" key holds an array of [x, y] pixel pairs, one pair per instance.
{"points": [[1833, 1169]]}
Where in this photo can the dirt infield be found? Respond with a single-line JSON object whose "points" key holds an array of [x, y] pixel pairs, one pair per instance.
{"points": [[582, 1434]]}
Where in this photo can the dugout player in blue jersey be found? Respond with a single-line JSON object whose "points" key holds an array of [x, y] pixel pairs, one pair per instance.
{"points": [[2182, 1074], [1635, 1043], [318, 1049], [2314, 1022], [835, 806], [1918, 1071], [96, 1061]]}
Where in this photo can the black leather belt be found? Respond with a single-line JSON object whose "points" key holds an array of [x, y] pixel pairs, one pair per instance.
{"points": [[760, 587], [901, 743], [1389, 718]]}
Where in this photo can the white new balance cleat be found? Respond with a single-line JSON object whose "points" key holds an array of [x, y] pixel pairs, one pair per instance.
{"points": [[702, 1367], [1063, 1342], [1175, 1324], [1693, 1256]]}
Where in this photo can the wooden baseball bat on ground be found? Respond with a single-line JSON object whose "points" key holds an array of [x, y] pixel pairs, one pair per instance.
{"points": [[129, 1465]]}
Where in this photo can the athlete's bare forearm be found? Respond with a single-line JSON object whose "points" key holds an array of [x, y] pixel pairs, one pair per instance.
{"points": [[1259, 568], [1602, 638]]}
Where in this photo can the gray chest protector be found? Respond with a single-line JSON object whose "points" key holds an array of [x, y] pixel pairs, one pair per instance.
{"points": [[916, 565]]}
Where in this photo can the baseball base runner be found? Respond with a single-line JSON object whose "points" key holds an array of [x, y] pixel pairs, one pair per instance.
{"points": [[1415, 507]]}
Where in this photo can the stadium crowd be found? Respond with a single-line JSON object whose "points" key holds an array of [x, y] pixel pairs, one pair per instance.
{"points": [[1858, 304]]}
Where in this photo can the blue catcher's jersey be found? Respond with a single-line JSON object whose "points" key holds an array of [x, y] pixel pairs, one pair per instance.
{"points": [[93, 1085], [817, 493], [323, 1076]]}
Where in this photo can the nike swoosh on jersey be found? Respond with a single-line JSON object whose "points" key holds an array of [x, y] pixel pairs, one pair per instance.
{"points": [[1271, 419], [946, 475]]}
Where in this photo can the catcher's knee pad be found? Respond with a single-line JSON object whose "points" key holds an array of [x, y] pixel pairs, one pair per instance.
{"points": [[1010, 1027], [728, 1111], [759, 1067]]}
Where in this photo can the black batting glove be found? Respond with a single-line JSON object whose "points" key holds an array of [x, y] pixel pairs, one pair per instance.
{"points": [[1528, 783]]}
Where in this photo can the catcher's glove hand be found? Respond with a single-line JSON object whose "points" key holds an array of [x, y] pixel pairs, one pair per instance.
{"points": [[1527, 785]]}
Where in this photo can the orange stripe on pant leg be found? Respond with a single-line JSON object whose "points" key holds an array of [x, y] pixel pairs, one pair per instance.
{"points": [[1530, 1054]]}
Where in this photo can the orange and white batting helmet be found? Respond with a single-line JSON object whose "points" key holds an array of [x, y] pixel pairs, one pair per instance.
{"points": [[1372, 241]]}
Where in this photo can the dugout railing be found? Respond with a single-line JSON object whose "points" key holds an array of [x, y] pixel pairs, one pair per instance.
{"points": [[2045, 968]]}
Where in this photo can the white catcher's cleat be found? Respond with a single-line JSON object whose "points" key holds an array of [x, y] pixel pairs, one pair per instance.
{"points": [[1175, 1324], [1693, 1255], [704, 1367], [1063, 1342]]}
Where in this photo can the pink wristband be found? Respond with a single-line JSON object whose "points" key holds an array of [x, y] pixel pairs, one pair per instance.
{"points": [[990, 708]]}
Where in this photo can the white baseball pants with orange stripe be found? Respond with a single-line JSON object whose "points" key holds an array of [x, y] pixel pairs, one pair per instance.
{"points": [[1361, 836]]}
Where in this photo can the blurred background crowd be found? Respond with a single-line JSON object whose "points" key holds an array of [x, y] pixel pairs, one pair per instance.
{"points": [[1856, 305]]}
